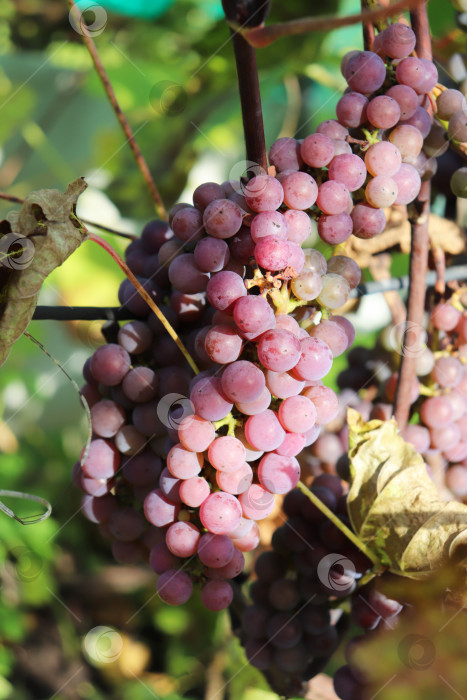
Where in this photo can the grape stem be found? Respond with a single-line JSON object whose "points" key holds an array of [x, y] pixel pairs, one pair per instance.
{"points": [[259, 37], [138, 156], [367, 27], [339, 524], [143, 293], [230, 421], [419, 214], [250, 100]]}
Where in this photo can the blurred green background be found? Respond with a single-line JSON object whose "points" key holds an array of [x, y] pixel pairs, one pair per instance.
{"points": [[171, 65]]}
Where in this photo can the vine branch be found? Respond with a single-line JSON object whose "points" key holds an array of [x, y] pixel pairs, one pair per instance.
{"points": [[139, 158], [259, 37], [418, 254], [248, 83]]}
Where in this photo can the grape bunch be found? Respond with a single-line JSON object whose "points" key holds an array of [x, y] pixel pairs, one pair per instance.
{"points": [[180, 469], [302, 587]]}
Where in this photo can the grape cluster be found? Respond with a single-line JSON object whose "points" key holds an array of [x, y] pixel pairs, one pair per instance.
{"points": [[179, 470], [378, 149], [297, 619]]}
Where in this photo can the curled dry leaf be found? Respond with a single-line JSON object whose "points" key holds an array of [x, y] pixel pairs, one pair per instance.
{"points": [[394, 506], [33, 242], [444, 234]]}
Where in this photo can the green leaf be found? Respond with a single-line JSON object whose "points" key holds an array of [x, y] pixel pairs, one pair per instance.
{"points": [[33, 242], [394, 506]]}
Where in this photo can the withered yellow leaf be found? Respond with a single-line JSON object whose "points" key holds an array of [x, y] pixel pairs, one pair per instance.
{"points": [[394, 506], [33, 242]]}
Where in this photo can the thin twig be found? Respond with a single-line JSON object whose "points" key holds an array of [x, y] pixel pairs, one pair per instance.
{"points": [[263, 36], [139, 158], [119, 313], [418, 256], [18, 200]]}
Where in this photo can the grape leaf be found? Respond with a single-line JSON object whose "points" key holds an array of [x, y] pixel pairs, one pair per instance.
{"points": [[33, 242], [394, 506]]}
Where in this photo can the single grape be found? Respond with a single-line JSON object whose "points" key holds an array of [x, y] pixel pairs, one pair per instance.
{"points": [[449, 102], [397, 40], [383, 158], [308, 284], [174, 587], [317, 150], [351, 110], [381, 191], [269, 223], [182, 539], [284, 154], [187, 224], [383, 112], [300, 190], [226, 453], [334, 293], [365, 72]]}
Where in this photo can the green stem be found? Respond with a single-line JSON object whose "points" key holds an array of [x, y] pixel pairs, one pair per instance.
{"points": [[339, 524], [230, 421]]}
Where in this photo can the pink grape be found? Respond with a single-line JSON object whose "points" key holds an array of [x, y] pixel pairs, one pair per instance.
{"points": [[242, 246], [333, 129], [335, 229], [107, 418], [252, 408], [248, 542], [408, 184], [226, 453], [436, 412], [407, 139], [335, 291], [406, 98], [332, 334], [187, 224], [381, 191], [220, 513], [222, 218], [170, 485], [235, 482], [288, 323], [291, 445], [278, 350], [223, 344], [264, 193], [445, 438], [196, 433], [215, 550], [383, 158], [420, 120], [135, 337], [252, 453], [278, 474], [182, 463], [268, 223], [445, 317], [297, 414], [98, 510], [284, 154], [300, 190], [161, 558], [317, 150], [348, 169], [418, 436], [223, 290], [283, 385], [296, 257], [346, 267], [449, 102], [383, 112], [398, 40], [365, 72], [102, 459], [333, 197], [109, 364], [257, 503], [253, 314], [447, 372], [457, 128], [431, 76], [315, 261], [194, 491], [206, 193], [308, 284], [242, 381], [411, 71], [216, 595], [186, 276], [209, 400], [182, 539], [174, 587], [211, 254], [325, 401], [140, 384], [230, 570], [298, 224], [272, 253], [367, 221], [264, 431], [159, 510], [315, 359], [351, 109]]}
